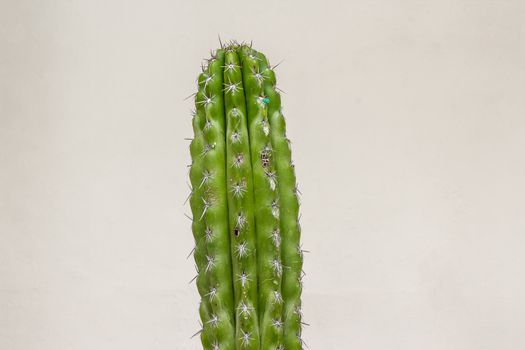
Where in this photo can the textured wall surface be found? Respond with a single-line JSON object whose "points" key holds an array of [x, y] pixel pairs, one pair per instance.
{"points": [[408, 131]]}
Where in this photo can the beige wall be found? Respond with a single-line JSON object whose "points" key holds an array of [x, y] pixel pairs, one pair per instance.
{"points": [[407, 122]]}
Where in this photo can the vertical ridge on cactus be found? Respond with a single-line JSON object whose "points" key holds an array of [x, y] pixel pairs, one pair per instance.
{"points": [[291, 253], [266, 200], [245, 207], [198, 228], [240, 202]]}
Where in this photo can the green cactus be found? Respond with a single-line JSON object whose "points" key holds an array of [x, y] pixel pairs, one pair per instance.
{"points": [[244, 202]]}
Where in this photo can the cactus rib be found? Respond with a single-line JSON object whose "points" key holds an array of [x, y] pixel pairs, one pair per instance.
{"points": [[291, 252], [240, 203], [215, 207], [266, 202], [198, 228]]}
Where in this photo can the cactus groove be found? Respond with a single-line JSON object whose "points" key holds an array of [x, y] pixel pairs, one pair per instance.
{"points": [[245, 207]]}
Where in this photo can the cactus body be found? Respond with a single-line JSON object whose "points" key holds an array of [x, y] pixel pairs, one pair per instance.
{"points": [[245, 207]]}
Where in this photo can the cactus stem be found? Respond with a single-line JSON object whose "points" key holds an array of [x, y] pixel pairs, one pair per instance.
{"points": [[244, 201]]}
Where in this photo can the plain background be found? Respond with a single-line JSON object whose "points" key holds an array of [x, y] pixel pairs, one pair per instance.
{"points": [[408, 131]]}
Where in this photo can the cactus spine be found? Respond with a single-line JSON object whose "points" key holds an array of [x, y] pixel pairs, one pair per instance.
{"points": [[245, 207]]}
